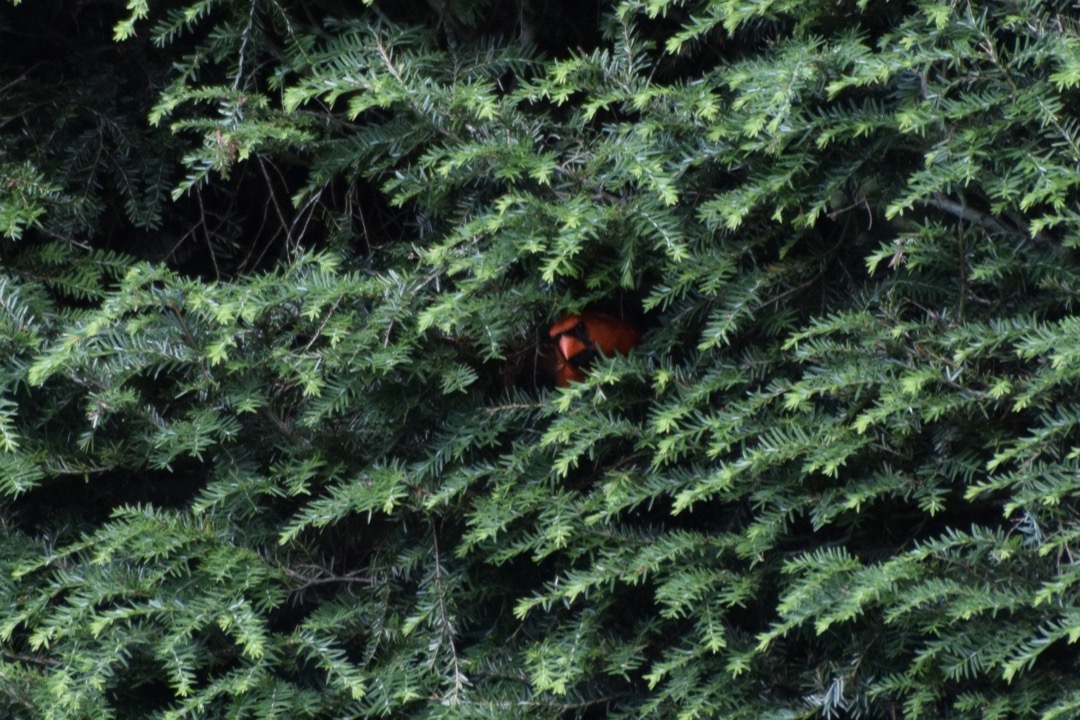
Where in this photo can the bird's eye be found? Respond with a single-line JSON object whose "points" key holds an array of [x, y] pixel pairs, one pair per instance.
{"points": [[581, 332]]}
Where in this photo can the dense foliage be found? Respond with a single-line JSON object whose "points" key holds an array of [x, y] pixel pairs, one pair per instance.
{"points": [[276, 435]]}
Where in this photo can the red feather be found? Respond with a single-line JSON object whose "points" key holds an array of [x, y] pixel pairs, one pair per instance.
{"points": [[578, 338]]}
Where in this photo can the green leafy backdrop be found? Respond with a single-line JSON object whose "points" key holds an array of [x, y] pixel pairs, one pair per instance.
{"points": [[276, 433]]}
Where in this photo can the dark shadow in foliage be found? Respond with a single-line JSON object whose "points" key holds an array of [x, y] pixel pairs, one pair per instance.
{"points": [[71, 503], [57, 59], [556, 27]]}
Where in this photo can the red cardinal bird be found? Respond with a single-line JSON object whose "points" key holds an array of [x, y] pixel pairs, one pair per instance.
{"points": [[580, 337]]}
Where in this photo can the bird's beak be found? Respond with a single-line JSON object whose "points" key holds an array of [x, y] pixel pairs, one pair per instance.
{"points": [[569, 346]]}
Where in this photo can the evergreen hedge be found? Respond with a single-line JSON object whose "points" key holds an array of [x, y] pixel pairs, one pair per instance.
{"points": [[276, 435]]}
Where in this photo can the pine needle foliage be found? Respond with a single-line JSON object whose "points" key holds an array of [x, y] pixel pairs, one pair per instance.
{"points": [[276, 436]]}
